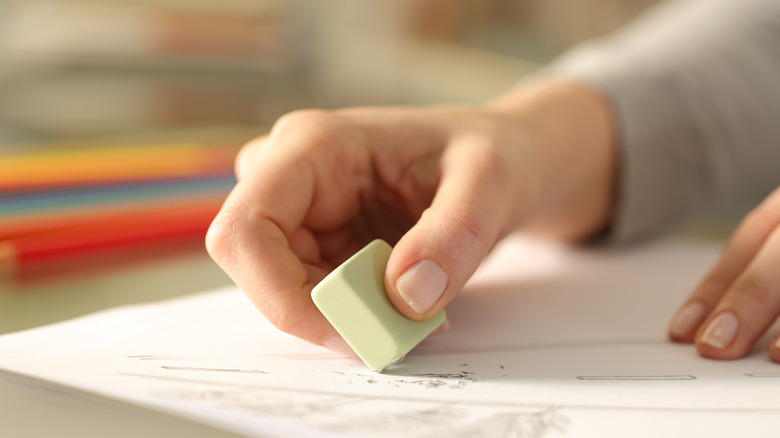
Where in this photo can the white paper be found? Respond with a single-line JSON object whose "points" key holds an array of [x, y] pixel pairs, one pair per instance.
{"points": [[546, 341]]}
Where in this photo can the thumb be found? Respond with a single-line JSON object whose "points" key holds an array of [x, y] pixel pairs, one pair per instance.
{"points": [[469, 213]]}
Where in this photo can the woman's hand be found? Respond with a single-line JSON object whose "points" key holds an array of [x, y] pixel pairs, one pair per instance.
{"points": [[739, 299], [443, 184]]}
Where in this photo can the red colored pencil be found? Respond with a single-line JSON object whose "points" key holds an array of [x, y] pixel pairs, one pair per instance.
{"points": [[104, 215], [170, 227]]}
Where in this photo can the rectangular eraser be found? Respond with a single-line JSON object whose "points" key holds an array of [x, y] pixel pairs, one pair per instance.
{"points": [[353, 299]]}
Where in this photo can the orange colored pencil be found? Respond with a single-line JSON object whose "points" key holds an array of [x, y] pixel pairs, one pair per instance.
{"points": [[115, 164]]}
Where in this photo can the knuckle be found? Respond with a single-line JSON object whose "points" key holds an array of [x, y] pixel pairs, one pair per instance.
{"points": [[487, 154], [220, 238], [713, 286], [492, 161], [492, 156], [246, 155], [466, 219], [765, 216], [312, 130], [753, 293], [756, 217], [242, 162], [283, 320], [305, 119]]}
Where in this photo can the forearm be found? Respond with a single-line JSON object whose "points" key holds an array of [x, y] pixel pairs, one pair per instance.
{"points": [[695, 92]]}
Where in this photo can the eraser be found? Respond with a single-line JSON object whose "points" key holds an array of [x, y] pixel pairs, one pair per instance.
{"points": [[353, 299]]}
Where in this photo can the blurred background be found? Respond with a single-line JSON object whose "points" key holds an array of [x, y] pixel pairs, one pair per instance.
{"points": [[79, 68], [119, 120]]}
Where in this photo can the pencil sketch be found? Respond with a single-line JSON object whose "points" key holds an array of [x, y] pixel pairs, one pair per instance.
{"points": [[151, 357], [440, 380], [528, 425], [463, 375], [772, 374], [221, 370], [457, 421], [553, 361], [437, 402], [669, 377], [453, 381], [372, 415]]}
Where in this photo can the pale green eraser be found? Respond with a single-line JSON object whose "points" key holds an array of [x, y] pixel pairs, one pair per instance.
{"points": [[353, 299]]}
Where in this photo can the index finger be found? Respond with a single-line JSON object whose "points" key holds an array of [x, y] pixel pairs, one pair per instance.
{"points": [[250, 239]]}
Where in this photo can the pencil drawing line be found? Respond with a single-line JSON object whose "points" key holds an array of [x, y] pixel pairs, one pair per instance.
{"points": [[772, 374], [654, 377], [452, 421], [151, 357], [463, 375], [436, 380], [221, 370], [484, 403], [520, 425], [429, 383]]}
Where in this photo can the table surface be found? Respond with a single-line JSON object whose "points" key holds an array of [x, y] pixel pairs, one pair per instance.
{"points": [[44, 299]]}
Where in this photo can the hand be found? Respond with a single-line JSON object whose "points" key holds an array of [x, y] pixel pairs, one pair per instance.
{"points": [[739, 299], [443, 184]]}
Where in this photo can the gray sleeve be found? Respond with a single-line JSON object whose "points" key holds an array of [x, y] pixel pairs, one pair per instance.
{"points": [[695, 86]]}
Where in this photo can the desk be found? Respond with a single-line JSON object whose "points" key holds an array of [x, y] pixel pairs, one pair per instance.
{"points": [[532, 347], [40, 301]]}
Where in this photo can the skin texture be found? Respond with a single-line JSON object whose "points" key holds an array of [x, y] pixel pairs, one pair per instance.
{"points": [[443, 185], [739, 298]]}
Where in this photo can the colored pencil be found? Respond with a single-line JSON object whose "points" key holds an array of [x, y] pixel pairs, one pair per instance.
{"points": [[170, 227], [54, 201], [115, 164], [29, 225]]}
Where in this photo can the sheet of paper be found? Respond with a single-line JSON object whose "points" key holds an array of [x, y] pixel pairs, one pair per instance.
{"points": [[546, 341]]}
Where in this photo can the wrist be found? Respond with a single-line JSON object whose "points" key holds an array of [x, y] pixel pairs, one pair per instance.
{"points": [[573, 130]]}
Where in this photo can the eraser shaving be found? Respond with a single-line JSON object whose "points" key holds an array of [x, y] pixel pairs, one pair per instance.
{"points": [[353, 299]]}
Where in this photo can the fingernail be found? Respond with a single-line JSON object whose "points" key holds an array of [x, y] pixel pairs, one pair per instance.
{"points": [[339, 345], [687, 319], [422, 285], [721, 331]]}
